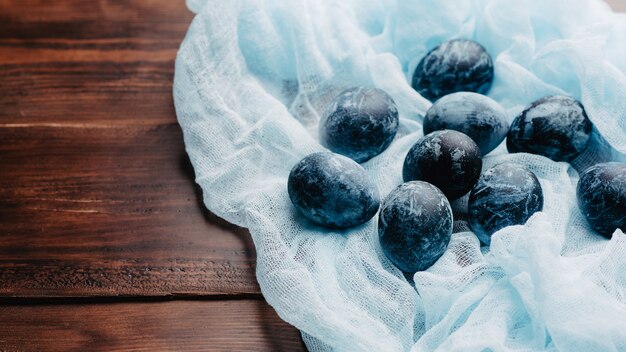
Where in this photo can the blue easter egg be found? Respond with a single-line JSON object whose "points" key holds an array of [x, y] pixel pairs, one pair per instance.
{"points": [[332, 190], [415, 226], [506, 194], [454, 66], [360, 123], [556, 127], [476, 115], [448, 159], [601, 194]]}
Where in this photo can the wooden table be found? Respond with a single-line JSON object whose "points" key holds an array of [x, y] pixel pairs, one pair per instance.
{"points": [[104, 241]]}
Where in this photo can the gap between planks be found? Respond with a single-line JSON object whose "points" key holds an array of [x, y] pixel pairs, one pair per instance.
{"points": [[95, 125]]}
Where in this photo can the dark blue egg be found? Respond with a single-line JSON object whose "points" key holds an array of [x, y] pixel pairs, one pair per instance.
{"points": [[415, 225], [476, 115], [360, 123], [454, 66], [448, 159], [556, 127], [601, 194], [332, 190], [506, 194]]}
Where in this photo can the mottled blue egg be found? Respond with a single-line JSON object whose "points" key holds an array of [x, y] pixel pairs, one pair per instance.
{"points": [[360, 123], [601, 194], [448, 159], [332, 190], [476, 115], [414, 226], [506, 194], [556, 127], [454, 66]]}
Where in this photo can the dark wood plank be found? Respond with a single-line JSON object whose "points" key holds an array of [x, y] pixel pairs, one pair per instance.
{"points": [[234, 325], [89, 61], [111, 211]]}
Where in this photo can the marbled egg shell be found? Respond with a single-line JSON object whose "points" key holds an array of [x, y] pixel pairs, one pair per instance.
{"points": [[601, 194], [556, 127], [476, 115], [360, 123], [454, 66], [415, 225], [448, 159], [332, 190], [506, 194]]}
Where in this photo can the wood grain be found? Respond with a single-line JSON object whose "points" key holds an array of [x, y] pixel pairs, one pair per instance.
{"points": [[91, 211], [100, 61], [234, 325], [97, 197]]}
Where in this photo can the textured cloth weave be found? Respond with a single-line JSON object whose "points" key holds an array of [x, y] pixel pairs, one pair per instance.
{"points": [[252, 78]]}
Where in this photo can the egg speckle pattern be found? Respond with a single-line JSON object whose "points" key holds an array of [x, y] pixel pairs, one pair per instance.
{"points": [[333, 190], [360, 123], [601, 194], [448, 159], [415, 226], [454, 66], [476, 115], [556, 127], [506, 194]]}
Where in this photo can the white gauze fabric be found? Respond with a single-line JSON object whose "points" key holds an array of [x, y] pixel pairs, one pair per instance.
{"points": [[252, 78]]}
